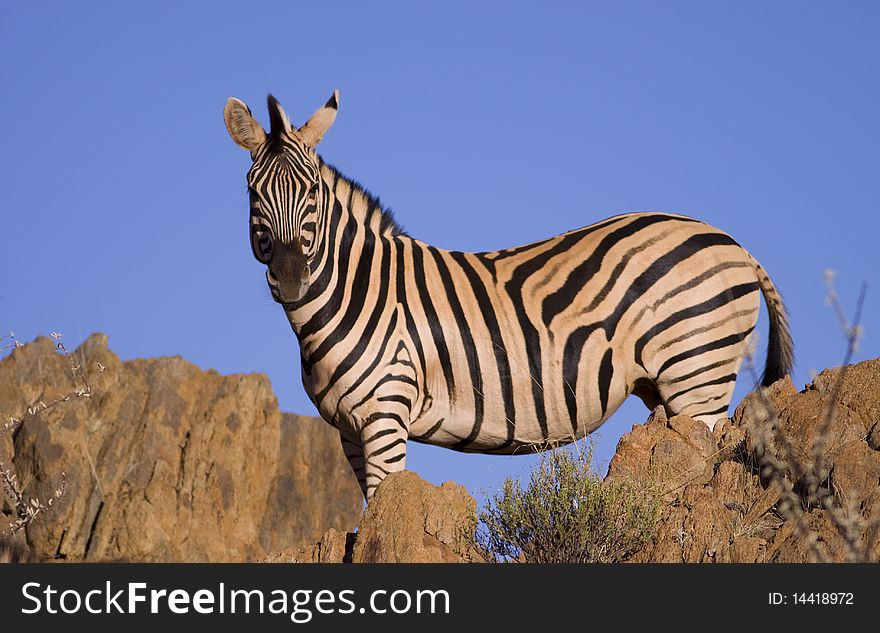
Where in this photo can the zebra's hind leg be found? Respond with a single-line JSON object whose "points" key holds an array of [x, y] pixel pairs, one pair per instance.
{"points": [[702, 394], [354, 453]]}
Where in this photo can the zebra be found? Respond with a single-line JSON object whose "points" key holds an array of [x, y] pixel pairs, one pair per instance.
{"points": [[491, 352]]}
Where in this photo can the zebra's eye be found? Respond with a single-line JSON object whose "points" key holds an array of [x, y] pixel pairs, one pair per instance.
{"points": [[261, 242], [312, 197]]}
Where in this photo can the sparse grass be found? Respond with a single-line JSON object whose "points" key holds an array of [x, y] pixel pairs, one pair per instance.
{"points": [[566, 513], [742, 527]]}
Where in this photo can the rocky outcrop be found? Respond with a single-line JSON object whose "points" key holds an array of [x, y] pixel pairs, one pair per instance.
{"points": [[408, 520], [334, 547], [723, 505], [167, 462]]}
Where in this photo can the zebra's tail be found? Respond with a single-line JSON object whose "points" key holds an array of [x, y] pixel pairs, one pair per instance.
{"points": [[780, 348]]}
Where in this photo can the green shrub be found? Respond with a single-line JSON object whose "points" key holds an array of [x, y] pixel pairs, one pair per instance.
{"points": [[568, 514]]}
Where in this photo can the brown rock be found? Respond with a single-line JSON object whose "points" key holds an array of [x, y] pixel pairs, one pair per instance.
{"points": [[761, 506], [13, 550], [860, 392], [633, 455], [409, 520], [680, 448], [874, 437], [732, 515], [334, 547], [315, 488], [167, 462], [747, 549], [791, 545], [695, 433]]}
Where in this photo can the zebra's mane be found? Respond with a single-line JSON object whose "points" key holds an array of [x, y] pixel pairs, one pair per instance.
{"points": [[388, 225]]}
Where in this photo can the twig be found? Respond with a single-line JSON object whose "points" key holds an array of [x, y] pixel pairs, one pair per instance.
{"points": [[13, 342], [853, 332], [811, 477], [27, 510]]}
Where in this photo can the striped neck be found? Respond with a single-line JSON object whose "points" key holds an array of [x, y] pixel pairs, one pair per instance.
{"points": [[364, 207]]}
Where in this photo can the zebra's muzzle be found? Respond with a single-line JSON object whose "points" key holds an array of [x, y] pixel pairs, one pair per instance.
{"points": [[288, 274]]}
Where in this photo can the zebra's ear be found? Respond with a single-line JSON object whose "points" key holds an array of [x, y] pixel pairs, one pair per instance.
{"points": [[313, 131], [242, 126]]}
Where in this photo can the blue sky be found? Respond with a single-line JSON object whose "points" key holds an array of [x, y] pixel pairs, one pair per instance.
{"points": [[483, 125]]}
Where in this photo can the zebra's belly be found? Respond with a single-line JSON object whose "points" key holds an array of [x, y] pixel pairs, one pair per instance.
{"points": [[490, 428]]}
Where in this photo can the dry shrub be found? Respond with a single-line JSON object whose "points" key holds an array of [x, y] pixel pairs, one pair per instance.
{"points": [[566, 513]]}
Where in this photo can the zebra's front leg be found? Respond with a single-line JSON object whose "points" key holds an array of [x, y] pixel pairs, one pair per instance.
{"points": [[383, 440], [354, 453]]}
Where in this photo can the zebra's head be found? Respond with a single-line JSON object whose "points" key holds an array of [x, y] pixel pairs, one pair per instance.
{"points": [[284, 189]]}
